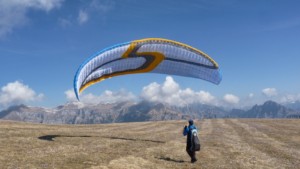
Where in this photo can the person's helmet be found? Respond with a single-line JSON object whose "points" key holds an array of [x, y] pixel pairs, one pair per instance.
{"points": [[191, 122]]}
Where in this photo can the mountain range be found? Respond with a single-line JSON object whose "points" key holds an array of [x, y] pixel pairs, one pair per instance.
{"points": [[77, 113], [269, 109]]}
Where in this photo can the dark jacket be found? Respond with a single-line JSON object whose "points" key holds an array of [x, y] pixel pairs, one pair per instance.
{"points": [[188, 131]]}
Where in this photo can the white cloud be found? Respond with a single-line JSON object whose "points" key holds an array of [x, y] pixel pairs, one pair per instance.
{"points": [[83, 17], [251, 95], [70, 95], [231, 99], [102, 6], [269, 92], [13, 13], [289, 98], [170, 92], [106, 97], [63, 22], [170, 86], [96, 7], [16, 93]]}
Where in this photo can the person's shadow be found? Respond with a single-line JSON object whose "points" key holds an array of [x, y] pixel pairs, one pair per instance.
{"points": [[51, 137], [170, 159]]}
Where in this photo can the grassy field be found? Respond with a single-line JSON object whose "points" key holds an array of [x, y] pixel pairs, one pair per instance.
{"points": [[225, 143]]}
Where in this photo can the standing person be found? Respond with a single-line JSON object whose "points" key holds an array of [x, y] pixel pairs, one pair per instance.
{"points": [[187, 131]]}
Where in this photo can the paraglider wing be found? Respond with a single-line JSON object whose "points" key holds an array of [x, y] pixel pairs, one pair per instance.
{"points": [[153, 55]]}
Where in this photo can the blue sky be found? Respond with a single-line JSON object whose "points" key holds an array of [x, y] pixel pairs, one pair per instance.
{"points": [[256, 44]]}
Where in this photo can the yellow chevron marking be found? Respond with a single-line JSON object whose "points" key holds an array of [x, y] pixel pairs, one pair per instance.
{"points": [[158, 58]]}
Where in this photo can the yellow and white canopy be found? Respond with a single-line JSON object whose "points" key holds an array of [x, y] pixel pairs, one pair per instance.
{"points": [[153, 55]]}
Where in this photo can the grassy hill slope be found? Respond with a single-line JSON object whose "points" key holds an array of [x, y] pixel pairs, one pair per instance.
{"points": [[226, 143]]}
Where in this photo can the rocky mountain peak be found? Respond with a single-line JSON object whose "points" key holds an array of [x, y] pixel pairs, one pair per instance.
{"points": [[79, 113]]}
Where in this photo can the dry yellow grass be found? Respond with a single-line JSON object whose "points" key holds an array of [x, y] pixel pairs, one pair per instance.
{"points": [[226, 143]]}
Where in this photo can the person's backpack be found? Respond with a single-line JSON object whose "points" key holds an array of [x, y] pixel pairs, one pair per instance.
{"points": [[196, 146]]}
